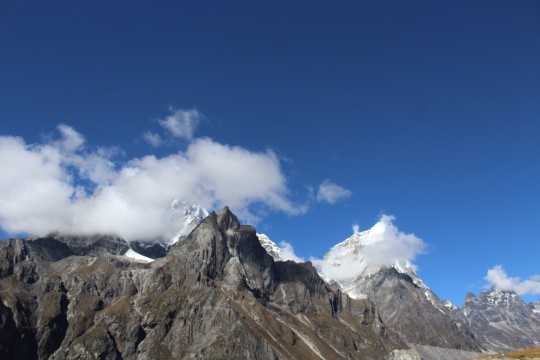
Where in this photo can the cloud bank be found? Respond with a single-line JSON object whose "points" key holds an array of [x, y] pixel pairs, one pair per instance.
{"points": [[365, 252], [62, 185], [499, 279], [331, 193]]}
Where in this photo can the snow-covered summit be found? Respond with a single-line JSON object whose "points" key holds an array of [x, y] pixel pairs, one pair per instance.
{"points": [[500, 297], [362, 255], [188, 216], [371, 253], [271, 247]]}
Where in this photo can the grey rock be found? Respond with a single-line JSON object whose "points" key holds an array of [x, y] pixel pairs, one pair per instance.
{"points": [[502, 321], [58, 246], [406, 354], [216, 295], [416, 313], [427, 352]]}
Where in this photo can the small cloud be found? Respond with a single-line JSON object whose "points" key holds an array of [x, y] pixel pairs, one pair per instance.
{"points": [[499, 279], [331, 193], [287, 252], [355, 229], [182, 123], [71, 140], [152, 138]]}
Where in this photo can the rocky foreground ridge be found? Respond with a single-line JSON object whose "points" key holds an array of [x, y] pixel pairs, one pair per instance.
{"points": [[216, 295]]}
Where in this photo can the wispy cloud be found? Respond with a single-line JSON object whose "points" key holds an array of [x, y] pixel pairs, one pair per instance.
{"points": [[499, 279], [179, 124], [153, 138], [64, 185], [332, 193]]}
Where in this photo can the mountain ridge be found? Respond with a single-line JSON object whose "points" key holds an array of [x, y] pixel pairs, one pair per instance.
{"points": [[216, 294]]}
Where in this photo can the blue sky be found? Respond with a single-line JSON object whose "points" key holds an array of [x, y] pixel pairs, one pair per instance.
{"points": [[428, 111]]}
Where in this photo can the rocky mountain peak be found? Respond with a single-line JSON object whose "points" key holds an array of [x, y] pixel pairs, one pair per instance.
{"points": [[216, 294], [470, 297], [503, 320], [227, 220]]}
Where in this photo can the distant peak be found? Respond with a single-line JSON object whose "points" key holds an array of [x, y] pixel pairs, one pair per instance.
{"points": [[187, 215]]}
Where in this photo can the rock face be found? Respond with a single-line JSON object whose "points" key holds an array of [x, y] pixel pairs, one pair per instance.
{"points": [[216, 295], [403, 355], [502, 320], [415, 312], [406, 304], [153, 250], [57, 246]]}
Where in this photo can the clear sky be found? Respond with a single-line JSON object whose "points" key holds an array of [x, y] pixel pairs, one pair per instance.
{"points": [[427, 111]]}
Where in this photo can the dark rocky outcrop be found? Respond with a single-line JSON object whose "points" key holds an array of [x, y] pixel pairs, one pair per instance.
{"points": [[216, 295], [153, 250], [58, 246]]}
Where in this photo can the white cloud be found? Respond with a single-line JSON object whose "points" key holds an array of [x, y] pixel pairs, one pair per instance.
{"points": [[331, 193], [60, 185], [499, 279], [71, 140], [152, 138], [382, 245], [287, 252], [182, 123]]}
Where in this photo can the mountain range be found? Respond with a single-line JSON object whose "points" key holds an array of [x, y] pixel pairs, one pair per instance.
{"points": [[495, 321], [217, 289]]}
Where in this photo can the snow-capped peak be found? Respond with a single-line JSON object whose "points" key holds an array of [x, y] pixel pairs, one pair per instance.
{"points": [[500, 297], [271, 247], [188, 215], [366, 253]]}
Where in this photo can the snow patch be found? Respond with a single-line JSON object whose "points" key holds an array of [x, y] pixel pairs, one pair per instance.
{"points": [[136, 256]]}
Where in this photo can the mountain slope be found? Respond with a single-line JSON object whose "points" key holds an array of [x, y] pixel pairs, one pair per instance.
{"points": [[216, 294], [406, 304], [502, 320], [414, 311]]}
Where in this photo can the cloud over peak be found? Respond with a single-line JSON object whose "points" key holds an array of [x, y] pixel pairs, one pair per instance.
{"points": [[365, 252], [62, 185], [499, 279]]}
